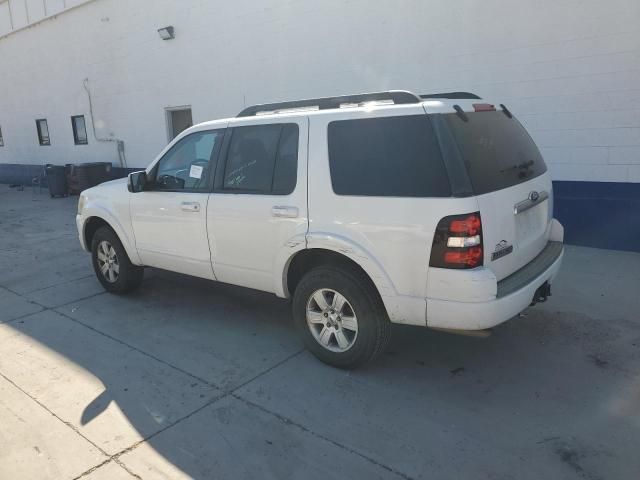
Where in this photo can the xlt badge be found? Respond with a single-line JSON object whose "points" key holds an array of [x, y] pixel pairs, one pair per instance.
{"points": [[502, 249]]}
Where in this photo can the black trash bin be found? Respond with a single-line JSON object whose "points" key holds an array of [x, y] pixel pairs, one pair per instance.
{"points": [[56, 180], [87, 175]]}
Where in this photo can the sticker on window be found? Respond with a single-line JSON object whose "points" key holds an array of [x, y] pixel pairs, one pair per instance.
{"points": [[196, 171]]}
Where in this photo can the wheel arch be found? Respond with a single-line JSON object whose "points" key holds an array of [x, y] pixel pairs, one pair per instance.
{"points": [[332, 250], [94, 221]]}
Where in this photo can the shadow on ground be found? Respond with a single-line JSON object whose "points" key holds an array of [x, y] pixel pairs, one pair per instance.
{"points": [[188, 377]]}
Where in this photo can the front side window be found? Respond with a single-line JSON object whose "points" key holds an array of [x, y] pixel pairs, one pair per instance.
{"points": [[262, 159], [387, 157], [43, 132], [79, 130], [189, 164]]}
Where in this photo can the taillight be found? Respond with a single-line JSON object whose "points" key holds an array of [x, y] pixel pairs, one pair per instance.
{"points": [[457, 242]]}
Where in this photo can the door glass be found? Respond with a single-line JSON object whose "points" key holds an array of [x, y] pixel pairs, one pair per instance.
{"points": [[251, 159], [189, 163], [263, 159], [286, 171]]}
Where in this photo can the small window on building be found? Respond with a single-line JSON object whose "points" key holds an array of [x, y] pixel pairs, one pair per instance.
{"points": [[79, 130], [1, 138], [43, 132]]}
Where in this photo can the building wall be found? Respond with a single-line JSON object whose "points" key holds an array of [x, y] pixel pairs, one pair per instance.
{"points": [[18, 14], [569, 70]]}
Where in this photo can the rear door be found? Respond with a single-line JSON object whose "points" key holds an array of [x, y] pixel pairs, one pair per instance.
{"points": [[512, 185], [259, 204]]}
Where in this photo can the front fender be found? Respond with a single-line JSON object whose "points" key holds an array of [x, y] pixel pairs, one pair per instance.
{"points": [[125, 236]]}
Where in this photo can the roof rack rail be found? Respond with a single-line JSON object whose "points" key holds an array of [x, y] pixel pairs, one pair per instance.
{"points": [[453, 95], [399, 97]]}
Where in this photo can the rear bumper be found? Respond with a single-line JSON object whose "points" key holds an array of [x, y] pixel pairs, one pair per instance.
{"points": [[513, 295]]}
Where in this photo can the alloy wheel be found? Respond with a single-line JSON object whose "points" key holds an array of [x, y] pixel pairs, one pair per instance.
{"points": [[108, 262], [332, 320]]}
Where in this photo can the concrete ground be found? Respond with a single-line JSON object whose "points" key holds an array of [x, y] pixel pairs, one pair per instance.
{"points": [[188, 378]]}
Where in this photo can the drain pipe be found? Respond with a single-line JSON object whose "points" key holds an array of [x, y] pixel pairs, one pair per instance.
{"points": [[120, 144]]}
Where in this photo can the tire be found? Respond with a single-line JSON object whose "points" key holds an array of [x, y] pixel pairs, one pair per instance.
{"points": [[324, 332], [120, 276]]}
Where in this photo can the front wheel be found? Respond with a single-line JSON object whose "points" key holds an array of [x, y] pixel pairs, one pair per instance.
{"points": [[111, 263], [340, 317]]}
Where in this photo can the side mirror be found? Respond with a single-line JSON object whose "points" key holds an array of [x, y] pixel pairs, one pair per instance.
{"points": [[137, 181]]}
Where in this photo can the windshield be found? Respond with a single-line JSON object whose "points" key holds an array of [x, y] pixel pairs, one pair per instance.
{"points": [[497, 151]]}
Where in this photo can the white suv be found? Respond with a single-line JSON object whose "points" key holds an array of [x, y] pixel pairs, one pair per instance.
{"points": [[370, 209]]}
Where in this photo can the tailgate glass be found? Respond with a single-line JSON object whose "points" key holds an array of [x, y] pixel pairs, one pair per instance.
{"points": [[497, 151]]}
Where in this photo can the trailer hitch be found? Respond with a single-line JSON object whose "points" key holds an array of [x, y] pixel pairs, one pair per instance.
{"points": [[542, 293]]}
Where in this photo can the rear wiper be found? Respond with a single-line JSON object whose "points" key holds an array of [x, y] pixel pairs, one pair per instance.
{"points": [[506, 111], [460, 113], [521, 166], [525, 165]]}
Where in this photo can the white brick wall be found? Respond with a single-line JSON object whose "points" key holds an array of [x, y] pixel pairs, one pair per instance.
{"points": [[18, 14], [569, 70]]}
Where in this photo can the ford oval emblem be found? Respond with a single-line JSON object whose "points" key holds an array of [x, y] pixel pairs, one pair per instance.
{"points": [[534, 196]]}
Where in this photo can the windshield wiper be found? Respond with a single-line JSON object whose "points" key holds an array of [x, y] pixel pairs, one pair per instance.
{"points": [[521, 166]]}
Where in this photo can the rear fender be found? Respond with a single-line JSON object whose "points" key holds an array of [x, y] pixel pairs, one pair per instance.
{"points": [[358, 254]]}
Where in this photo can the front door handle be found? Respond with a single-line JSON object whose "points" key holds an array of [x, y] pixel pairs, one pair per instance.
{"points": [[280, 211], [190, 206]]}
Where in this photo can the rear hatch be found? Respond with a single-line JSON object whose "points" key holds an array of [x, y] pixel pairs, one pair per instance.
{"points": [[511, 183]]}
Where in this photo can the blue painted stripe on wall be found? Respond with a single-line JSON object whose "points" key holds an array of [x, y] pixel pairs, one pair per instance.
{"points": [[18, 174], [594, 214], [599, 214]]}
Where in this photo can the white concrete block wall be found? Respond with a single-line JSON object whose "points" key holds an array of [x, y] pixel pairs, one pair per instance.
{"points": [[18, 14], [569, 70]]}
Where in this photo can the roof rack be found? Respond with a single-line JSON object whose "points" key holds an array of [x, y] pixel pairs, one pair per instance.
{"points": [[398, 97], [452, 95]]}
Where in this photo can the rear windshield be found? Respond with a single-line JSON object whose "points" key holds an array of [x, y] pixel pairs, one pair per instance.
{"points": [[497, 151]]}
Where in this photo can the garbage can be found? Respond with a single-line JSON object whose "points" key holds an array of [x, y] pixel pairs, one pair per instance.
{"points": [[87, 175], [56, 180], [97, 172]]}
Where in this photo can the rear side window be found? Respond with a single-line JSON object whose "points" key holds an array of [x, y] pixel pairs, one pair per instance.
{"points": [[386, 157], [497, 150], [262, 159]]}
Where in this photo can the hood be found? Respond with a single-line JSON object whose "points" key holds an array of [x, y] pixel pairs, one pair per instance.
{"points": [[117, 184]]}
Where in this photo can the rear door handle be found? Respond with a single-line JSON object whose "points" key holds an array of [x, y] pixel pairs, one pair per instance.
{"points": [[280, 211], [190, 206]]}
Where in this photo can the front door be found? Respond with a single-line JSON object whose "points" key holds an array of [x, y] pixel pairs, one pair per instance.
{"points": [[259, 204], [169, 217]]}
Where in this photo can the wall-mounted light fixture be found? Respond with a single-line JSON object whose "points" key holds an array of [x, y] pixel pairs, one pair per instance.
{"points": [[166, 33]]}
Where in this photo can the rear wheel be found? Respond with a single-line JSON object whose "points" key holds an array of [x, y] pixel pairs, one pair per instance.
{"points": [[112, 265], [340, 317]]}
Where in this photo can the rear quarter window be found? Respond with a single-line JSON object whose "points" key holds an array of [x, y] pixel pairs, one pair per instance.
{"points": [[386, 157]]}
